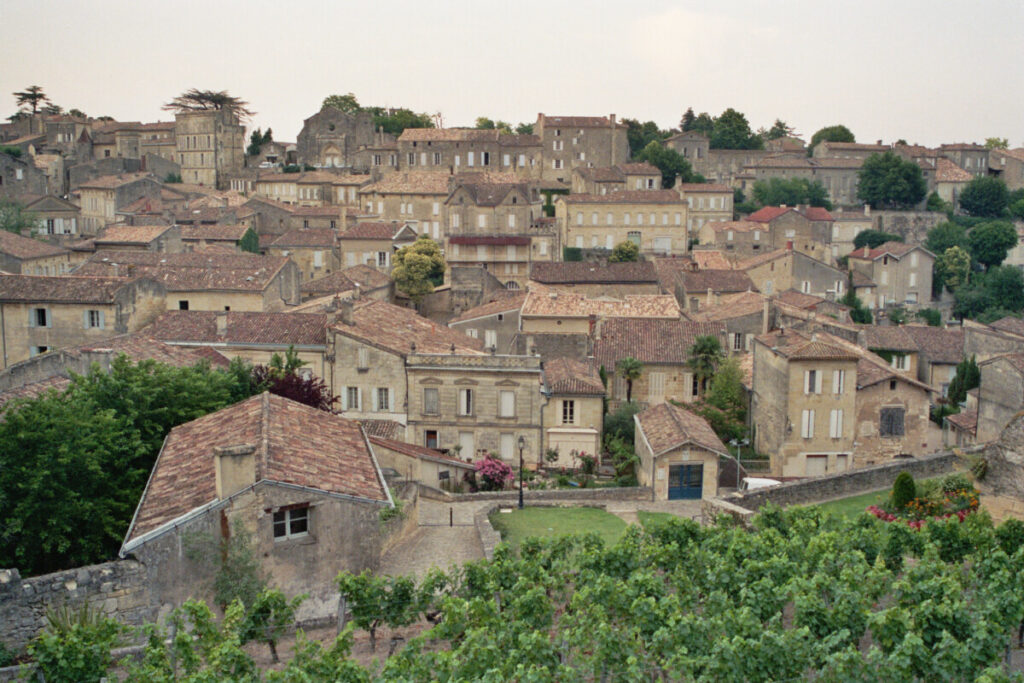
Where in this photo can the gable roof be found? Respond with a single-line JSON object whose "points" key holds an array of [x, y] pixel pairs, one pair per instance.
{"points": [[1010, 324], [651, 340], [732, 306], [888, 338], [700, 281], [894, 249], [370, 230], [796, 345], [294, 444], [768, 213], [571, 376], [625, 197], [965, 421], [361, 275], [418, 452], [504, 304], [939, 344], [397, 329], [218, 232], [666, 427], [59, 289], [583, 272], [542, 301], [241, 327], [25, 248], [190, 271], [1016, 360], [130, 234]]}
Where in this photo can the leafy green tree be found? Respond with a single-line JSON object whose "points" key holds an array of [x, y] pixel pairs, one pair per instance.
{"points": [[888, 181], [731, 131], [671, 164], [898, 316], [791, 192], [874, 238], [250, 242], [624, 251], [985, 196], [836, 133], [205, 100], [937, 204], [620, 424], [11, 151], [418, 268], [172, 178], [268, 617], [779, 129], [640, 135], [484, 123], [255, 142], [686, 122], [997, 143], [991, 242], [932, 316], [705, 356], [945, 235], [1016, 210], [391, 121], [346, 103], [967, 377], [859, 313], [991, 295], [953, 268], [77, 113], [32, 96], [14, 218], [524, 129], [376, 601], [903, 490], [630, 369], [724, 405]]}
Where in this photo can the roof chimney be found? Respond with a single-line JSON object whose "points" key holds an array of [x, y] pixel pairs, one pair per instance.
{"points": [[222, 323], [611, 118], [345, 312], [235, 468]]}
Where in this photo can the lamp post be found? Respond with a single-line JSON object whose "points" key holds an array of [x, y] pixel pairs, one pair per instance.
{"points": [[739, 454], [522, 445]]}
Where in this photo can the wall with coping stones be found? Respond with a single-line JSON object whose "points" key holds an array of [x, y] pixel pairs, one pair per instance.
{"points": [[642, 493]]}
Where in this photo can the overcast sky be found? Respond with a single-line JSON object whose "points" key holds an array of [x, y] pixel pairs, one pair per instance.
{"points": [[927, 71]]}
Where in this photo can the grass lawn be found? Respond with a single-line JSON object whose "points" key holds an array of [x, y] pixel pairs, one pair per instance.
{"points": [[547, 522], [854, 505]]}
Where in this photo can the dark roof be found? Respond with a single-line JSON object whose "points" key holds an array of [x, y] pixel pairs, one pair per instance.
{"points": [[573, 272], [695, 282], [570, 376], [59, 289], [666, 427], [651, 340], [940, 344], [242, 327]]}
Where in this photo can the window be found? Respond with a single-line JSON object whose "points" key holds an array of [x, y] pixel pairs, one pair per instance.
{"points": [[890, 422], [40, 317], [362, 358], [694, 386], [430, 438], [556, 164], [383, 400], [634, 237], [728, 235], [36, 350], [293, 523], [557, 145], [430, 401], [812, 382], [490, 339], [318, 259], [485, 158], [737, 341], [901, 362], [913, 279], [465, 401], [579, 218], [412, 158], [805, 286], [835, 424], [383, 259], [807, 424], [568, 412], [506, 403], [470, 160], [352, 398], [93, 319], [838, 381]]}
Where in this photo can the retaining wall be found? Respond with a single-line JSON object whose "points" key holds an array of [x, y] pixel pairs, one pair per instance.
{"points": [[610, 493]]}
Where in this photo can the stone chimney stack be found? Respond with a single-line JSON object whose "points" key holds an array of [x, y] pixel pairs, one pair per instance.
{"points": [[345, 312], [235, 468], [222, 323]]}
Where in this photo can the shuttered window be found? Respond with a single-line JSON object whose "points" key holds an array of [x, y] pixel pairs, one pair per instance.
{"points": [[890, 422]]}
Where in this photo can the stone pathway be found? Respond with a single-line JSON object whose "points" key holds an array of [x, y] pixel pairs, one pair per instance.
{"points": [[437, 546]]}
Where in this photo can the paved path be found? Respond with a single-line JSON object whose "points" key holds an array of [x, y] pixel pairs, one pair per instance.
{"points": [[429, 547]]}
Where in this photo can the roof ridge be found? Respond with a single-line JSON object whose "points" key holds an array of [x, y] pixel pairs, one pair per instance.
{"points": [[264, 436]]}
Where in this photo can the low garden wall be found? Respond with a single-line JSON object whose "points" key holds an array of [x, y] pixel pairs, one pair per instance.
{"points": [[580, 494]]}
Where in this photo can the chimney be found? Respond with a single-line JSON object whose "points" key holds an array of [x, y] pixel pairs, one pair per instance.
{"points": [[235, 468], [611, 117], [597, 329], [765, 315], [356, 293], [345, 312], [222, 323]]}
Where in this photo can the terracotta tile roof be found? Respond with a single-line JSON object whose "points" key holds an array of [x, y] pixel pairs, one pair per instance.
{"points": [[856, 146], [570, 376], [717, 281], [642, 168], [769, 213], [690, 188], [139, 347], [491, 194], [307, 237], [1010, 324], [667, 427], [736, 226], [60, 289], [887, 338], [254, 202], [940, 344], [948, 172], [422, 182], [817, 213], [894, 249], [110, 182], [761, 259], [131, 234], [710, 259], [965, 421], [386, 429], [217, 232], [625, 197], [189, 271], [572, 272], [670, 269], [318, 211], [294, 444], [601, 174], [732, 306], [1016, 153], [504, 304], [243, 327], [859, 279], [396, 329], [449, 135], [34, 389], [370, 231], [418, 452], [800, 346], [347, 279], [542, 301], [651, 340], [799, 299], [26, 248], [578, 121]]}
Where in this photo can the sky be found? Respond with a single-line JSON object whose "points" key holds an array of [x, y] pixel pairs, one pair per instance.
{"points": [[928, 71]]}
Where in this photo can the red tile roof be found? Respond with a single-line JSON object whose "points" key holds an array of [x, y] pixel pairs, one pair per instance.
{"points": [[370, 231], [965, 421], [396, 329], [667, 427], [504, 304], [418, 452], [579, 272], [294, 444], [25, 248], [768, 213], [242, 327], [571, 376], [699, 282], [60, 289], [190, 271], [345, 280], [651, 340]]}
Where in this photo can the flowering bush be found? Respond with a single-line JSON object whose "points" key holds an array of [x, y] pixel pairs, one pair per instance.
{"points": [[953, 496], [492, 474]]}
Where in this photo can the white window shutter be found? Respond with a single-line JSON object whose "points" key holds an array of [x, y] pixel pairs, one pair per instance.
{"points": [[359, 397], [810, 426], [374, 400], [344, 399], [832, 424], [85, 319], [817, 382], [103, 322], [807, 381]]}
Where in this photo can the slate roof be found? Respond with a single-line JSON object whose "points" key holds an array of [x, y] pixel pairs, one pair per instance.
{"points": [[295, 444], [667, 427], [504, 304], [625, 197], [571, 376], [396, 329], [651, 340], [307, 237], [26, 248], [940, 344], [542, 301], [717, 281], [243, 327], [59, 289], [582, 272]]}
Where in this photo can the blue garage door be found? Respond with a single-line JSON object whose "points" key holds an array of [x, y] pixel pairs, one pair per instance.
{"points": [[685, 481]]}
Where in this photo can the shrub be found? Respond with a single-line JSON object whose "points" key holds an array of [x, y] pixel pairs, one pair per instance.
{"points": [[492, 474], [1010, 535], [76, 644], [903, 490], [932, 316]]}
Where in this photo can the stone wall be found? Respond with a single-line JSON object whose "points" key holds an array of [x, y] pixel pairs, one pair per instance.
{"points": [[554, 495], [912, 225]]}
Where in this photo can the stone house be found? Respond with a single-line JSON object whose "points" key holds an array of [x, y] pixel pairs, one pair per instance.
{"points": [[987, 341], [569, 142], [698, 289], [312, 188], [19, 176], [155, 238], [332, 138], [846, 225], [495, 322], [574, 411], [368, 281], [1008, 164], [28, 256], [374, 243], [54, 216], [45, 313], [101, 198], [597, 279], [745, 315], [201, 236], [157, 139], [419, 463], [679, 453], [302, 482], [1000, 395], [739, 239], [848, 150], [551, 311], [939, 350], [962, 428], [505, 257], [693, 146], [416, 198], [784, 269], [455, 150], [807, 229], [972, 158], [902, 273], [603, 180], [204, 281], [654, 220], [475, 403], [730, 166], [211, 145], [662, 347], [839, 176], [894, 344], [707, 202], [950, 180], [314, 251], [327, 217]]}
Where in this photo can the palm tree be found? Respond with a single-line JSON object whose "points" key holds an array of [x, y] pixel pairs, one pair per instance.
{"points": [[33, 95], [630, 369], [705, 355]]}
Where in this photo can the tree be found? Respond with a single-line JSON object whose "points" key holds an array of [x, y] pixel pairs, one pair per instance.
{"points": [[418, 267], [250, 242], [791, 192], [888, 181], [77, 113], [945, 235], [671, 164], [378, 600], [1016, 210], [641, 135], [484, 123], [874, 238], [779, 129], [624, 251], [14, 218], [704, 358], [346, 103], [686, 122], [268, 617], [985, 196], [997, 143], [75, 645], [524, 129], [33, 96], [903, 490], [932, 316], [256, 141], [206, 100], [731, 131], [990, 242], [967, 377], [836, 133], [724, 405], [859, 313], [953, 268], [937, 204], [630, 369]]}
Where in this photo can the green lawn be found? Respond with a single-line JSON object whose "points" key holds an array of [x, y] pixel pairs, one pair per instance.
{"points": [[547, 522], [854, 505]]}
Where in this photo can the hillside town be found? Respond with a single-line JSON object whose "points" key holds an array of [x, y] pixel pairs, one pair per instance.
{"points": [[367, 349]]}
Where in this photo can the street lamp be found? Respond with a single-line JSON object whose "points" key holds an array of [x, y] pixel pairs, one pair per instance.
{"points": [[739, 454], [522, 445]]}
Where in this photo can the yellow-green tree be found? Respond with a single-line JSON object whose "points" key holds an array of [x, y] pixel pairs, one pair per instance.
{"points": [[418, 268]]}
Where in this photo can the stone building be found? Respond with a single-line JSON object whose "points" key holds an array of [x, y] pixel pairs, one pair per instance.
{"points": [[950, 180], [101, 198], [45, 313], [848, 150], [902, 272], [456, 150], [570, 142], [745, 315], [155, 238], [971, 157], [33, 257], [806, 229], [302, 482], [839, 176], [693, 146], [374, 243], [1008, 164], [707, 202], [738, 239], [783, 269], [313, 250], [495, 322], [54, 216], [416, 198], [603, 180], [679, 453], [654, 220], [846, 225], [597, 279], [365, 280], [696, 289], [574, 411], [19, 176], [1000, 395], [211, 145], [419, 463], [987, 341], [332, 138]]}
